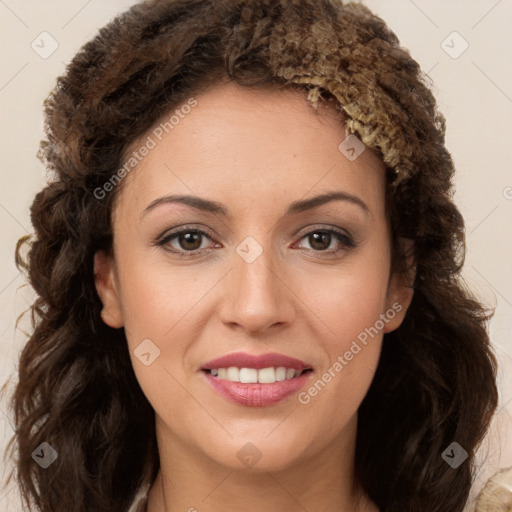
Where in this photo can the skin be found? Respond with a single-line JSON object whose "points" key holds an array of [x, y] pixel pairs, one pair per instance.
{"points": [[256, 152]]}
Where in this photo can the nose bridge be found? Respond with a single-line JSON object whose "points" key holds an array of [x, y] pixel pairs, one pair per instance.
{"points": [[257, 297]]}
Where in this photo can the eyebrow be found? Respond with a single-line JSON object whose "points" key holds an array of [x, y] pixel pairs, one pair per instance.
{"points": [[302, 205]]}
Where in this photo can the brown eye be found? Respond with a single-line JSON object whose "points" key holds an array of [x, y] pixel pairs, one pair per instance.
{"points": [[189, 240], [186, 242], [321, 240]]}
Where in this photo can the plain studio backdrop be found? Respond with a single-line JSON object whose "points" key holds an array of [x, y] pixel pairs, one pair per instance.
{"points": [[464, 46]]}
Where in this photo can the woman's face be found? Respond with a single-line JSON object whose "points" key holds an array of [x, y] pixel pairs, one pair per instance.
{"points": [[257, 272]]}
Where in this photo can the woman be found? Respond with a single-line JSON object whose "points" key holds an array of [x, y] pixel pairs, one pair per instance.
{"points": [[248, 268]]}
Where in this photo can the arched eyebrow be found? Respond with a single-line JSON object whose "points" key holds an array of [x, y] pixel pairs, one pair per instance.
{"points": [[207, 205], [316, 201]]}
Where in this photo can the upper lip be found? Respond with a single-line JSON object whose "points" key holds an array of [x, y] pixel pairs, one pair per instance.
{"points": [[244, 360]]}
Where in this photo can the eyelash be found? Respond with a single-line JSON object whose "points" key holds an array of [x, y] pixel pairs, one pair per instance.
{"points": [[347, 241]]}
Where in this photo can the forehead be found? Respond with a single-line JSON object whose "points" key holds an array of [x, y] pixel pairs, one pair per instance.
{"points": [[252, 148]]}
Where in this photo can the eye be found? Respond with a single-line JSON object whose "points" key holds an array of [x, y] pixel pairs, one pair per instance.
{"points": [[320, 240], [187, 241]]}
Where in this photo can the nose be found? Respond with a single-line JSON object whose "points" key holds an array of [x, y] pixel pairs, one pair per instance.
{"points": [[256, 294]]}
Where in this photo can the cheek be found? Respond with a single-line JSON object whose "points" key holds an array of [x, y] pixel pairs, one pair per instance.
{"points": [[351, 346], [157, 298], [348, 299], [349, 334], [349, 303], [157, 305]]}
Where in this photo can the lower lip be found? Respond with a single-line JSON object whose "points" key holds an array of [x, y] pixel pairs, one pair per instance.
{"points": [[257, 395]]}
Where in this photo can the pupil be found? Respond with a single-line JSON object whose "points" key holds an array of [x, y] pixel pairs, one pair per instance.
{"points": [[322, 237], [190, 238]]}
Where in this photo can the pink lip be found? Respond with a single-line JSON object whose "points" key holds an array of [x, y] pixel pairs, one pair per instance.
{"points": [[244, 360], [256, 395]]}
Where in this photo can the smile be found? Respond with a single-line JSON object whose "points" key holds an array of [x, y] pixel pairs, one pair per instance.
{"points": [[256, 381]]}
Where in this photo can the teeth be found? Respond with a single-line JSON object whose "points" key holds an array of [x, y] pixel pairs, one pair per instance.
{"points": [[247, 375], [233, 374], [280, 374], [252, 375], [266, 375]]}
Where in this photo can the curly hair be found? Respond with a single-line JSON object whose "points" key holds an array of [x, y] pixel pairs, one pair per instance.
{"points": [[436, 379]]}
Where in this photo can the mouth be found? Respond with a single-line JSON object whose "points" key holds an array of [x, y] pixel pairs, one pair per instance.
{"points": [[256, 381]]}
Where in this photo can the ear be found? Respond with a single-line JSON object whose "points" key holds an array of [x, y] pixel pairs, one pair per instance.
{"points": [[400, 289], [107, 288]]}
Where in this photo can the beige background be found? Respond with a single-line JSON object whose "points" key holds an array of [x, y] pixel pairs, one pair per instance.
{"points": [[474, 92]]}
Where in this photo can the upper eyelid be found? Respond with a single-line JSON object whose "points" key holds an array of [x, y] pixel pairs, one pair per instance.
{"points": [[210, 232], [186, 229]]}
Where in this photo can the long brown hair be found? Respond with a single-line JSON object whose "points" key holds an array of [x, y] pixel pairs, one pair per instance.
{"points": [[436, 381]]}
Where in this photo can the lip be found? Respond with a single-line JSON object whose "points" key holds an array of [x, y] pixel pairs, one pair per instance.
{"points": [[244, 360], [256, 395]]}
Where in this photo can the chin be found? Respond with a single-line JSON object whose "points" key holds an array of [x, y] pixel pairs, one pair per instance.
{"points": [[257, 455]]}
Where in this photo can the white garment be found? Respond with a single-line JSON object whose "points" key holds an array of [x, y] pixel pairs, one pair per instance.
{"points": [[139, 504]]}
